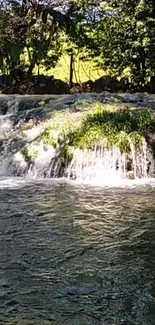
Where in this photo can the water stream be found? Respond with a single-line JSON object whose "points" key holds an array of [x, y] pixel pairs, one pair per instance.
{"points": [[76, 254], [70, 253]]}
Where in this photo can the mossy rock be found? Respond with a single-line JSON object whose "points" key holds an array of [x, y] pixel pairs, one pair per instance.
{"points": [[100, 126], [29, 155]]}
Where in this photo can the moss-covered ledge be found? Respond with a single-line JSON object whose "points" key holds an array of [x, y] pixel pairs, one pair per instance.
{"points": [[92, 125]]}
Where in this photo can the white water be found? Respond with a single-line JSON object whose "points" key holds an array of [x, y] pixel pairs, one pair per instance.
{"points": [[100, 166], [104, 166]]}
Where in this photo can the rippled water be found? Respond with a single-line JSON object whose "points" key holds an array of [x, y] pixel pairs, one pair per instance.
{"points": [[74, 254]]}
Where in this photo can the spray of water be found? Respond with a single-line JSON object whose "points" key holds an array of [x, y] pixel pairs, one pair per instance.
{"points": [[104, 165]]}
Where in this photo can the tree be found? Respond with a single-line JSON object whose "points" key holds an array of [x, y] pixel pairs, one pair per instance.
{"points": [[32, 25], [123, 39]]}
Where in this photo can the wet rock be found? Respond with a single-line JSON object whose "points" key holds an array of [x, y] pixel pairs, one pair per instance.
{"points": [[129, 164], [38, 107], [128, 98], [130, 175]]}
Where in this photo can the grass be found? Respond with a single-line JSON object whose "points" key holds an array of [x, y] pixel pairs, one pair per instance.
{"points": [[118, 127], [29, 154], [85, 126], [106, 125], [83, 70]]}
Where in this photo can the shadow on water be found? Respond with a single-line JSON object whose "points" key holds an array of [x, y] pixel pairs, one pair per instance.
{"points": [[76, 255]]}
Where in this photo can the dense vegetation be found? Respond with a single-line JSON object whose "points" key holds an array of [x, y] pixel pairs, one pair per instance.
{"points": [[117, 35]]}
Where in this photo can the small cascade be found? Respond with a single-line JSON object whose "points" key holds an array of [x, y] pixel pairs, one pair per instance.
{"points": [[43, 164], [103, 164], [110, 164], [37, 163], [6, 124]]}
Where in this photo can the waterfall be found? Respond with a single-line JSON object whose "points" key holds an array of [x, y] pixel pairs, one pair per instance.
{"points": [[102, 164]]}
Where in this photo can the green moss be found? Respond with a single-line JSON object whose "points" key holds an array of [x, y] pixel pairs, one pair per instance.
{"points": [[48, 138], [29, 155], [103, 125], [89, 138], [123, 120], [108, 127], [59, 141], [42, 103], [123, 141], [95, 134], [66, 153], [136, 139]]}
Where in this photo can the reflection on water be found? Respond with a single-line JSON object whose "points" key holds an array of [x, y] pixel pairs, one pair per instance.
{"points": [[76, 255]]}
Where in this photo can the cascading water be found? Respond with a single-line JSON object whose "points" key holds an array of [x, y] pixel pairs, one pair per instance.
{"points": [[109, 165], [102, 164]]}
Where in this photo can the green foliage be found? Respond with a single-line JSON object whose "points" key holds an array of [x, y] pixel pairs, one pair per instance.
{"points": [[48, 138], [121, 120], [102, 125], [118, 127], [136, 138], [124, 40], [89, 138], [117, 35], [65, 153], [59, 142], [23, 27], [29, 155]]}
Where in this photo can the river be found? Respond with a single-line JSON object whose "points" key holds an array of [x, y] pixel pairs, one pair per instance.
{"points": [[76, 254]]}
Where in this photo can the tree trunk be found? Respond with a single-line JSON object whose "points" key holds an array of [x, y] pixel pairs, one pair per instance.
{"points": [[71, 70], [153, 8], [30, 71]]}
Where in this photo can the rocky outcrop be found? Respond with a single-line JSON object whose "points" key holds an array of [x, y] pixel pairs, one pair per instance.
{"points": [[18, 104]]}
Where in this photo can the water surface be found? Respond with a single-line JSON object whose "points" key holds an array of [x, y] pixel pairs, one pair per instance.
{"points": [[72, 254]]}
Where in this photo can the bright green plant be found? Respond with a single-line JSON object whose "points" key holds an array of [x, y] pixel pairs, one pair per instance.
{"points": [[29, 155], [100, 126], [119, 127], [48, 138]]}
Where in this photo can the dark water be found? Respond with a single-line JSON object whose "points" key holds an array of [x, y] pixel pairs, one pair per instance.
{"points": [[77, 255]]}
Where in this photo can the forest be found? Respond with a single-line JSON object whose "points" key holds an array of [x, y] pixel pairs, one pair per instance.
{"points": [[116, 36]]}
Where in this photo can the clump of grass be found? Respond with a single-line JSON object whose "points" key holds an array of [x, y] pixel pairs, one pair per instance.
{"points": [[105, 125], [123, 119], [65, 153], [48, 138], [29, 155], [118, 127]]}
